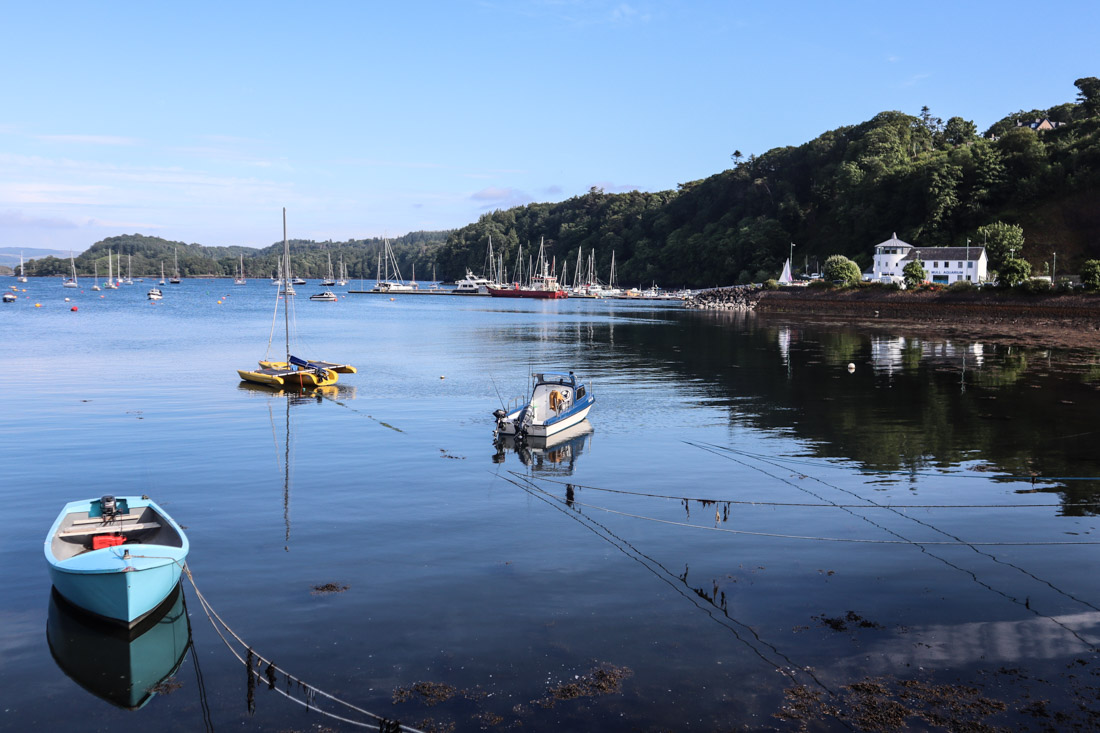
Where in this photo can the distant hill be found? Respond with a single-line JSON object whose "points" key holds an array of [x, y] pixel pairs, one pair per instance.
{"points": [[10, 255], [144, 256]]}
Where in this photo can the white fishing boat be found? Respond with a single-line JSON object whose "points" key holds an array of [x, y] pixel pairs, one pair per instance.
{"points": [[327, 296], [471, 285], [154, 294], [558, 401]]}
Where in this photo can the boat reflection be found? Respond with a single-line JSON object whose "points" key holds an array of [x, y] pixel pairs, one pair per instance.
{"points": [[555, 455], [298, 397], [122, 666]]}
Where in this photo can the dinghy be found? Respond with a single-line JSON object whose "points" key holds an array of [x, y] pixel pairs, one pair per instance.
{"points": [[558, 401], [115, 557]]}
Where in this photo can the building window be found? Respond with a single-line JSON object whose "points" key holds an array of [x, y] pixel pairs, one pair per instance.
{"points": [[960, 265], [935, 264], [969, 266], [968, 278]]}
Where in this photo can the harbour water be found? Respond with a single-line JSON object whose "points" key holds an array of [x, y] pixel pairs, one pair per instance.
{"points": [[747, 534]]}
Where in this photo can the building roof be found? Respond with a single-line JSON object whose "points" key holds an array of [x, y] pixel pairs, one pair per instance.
{"points": [[965, 254], [893, 242]]}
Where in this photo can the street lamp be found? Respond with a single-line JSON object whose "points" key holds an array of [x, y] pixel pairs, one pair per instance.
{"points": [[1053, 268]]}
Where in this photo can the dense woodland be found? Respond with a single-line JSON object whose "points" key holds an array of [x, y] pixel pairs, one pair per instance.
{"points": [[933, 182]]}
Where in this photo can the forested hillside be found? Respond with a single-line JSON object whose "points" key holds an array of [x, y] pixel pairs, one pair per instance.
{"points": [[309, 259], [932, 182]]}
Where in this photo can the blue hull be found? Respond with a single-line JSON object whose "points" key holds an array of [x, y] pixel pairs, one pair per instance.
{"points": [[122, 583]]}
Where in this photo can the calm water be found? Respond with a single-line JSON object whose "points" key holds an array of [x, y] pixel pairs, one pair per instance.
{"points": [[743, 516]]}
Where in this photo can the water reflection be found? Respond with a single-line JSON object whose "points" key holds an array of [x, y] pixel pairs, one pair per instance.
{"points": [[122, 666], [556, 455]]}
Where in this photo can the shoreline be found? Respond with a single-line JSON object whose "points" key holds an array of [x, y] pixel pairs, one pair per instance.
{"points": [[1062, 320]]}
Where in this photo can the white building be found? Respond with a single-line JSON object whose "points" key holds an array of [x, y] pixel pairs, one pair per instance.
{"points": [[944, 265]]}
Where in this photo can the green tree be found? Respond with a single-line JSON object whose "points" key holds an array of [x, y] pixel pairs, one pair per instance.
{"points": [[1090, 274], [914, 274], [1001, 241], [839, 268], [1014, 271], [958, 131], [1088, 95]]}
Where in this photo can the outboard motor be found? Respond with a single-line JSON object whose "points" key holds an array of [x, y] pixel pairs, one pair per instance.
{"points": [[108, 506], [499, 414]]}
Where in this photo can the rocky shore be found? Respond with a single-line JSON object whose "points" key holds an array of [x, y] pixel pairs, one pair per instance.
{"points": [[1064, 320], [736, 297]]}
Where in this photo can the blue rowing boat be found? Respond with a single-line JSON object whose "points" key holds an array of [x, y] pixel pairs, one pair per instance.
{"points": [[115, 557]]}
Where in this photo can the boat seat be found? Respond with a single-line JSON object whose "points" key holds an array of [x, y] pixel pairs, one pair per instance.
{"points": [[108, 528], [99, 520]]}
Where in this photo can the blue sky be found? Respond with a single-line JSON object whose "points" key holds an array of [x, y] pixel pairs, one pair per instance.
{"points": [[199, 121]]}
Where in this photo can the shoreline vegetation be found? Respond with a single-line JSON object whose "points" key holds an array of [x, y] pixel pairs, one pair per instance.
{"points": [[1069, 320]]}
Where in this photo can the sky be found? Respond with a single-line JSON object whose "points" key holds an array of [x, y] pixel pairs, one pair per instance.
{"points": [[199, 121]]}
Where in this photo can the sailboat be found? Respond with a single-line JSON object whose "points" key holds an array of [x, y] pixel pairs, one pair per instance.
{"points": [[329, 281], [161, 273], [295, 371], [22, 271], [240, 277], [343, 280], [71, 282], [129, 280], [785, 277], [390, 284], [110, 284], [95, 282], [176, 260]]}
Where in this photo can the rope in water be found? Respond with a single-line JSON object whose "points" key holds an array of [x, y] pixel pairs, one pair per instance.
{"points": [[809, 537], [1032, 477], [746, 502], [267, 676]]}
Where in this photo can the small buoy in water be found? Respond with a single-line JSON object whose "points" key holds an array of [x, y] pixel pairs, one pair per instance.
{"points": [[851, 367], [442, 377], [393, 299], [73, 308], [103, 296], [66, 300], [37, 305], [219, 302]]}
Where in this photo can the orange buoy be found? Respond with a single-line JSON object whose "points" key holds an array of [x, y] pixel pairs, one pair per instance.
{"points": [[37, 305], [73, 308]]}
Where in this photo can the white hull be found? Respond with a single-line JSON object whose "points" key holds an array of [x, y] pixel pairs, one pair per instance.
{"points": [[542, 430]]}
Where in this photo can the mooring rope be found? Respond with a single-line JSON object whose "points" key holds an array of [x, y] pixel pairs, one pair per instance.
{"points": [[267, 676], [1032, 477], [856, 540], [749, 502]]}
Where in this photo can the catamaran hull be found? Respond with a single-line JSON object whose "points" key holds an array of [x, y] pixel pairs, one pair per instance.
{"points": [[507, 424]]}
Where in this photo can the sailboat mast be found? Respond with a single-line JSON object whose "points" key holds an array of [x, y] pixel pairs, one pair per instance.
{"points": [[286, 293]]}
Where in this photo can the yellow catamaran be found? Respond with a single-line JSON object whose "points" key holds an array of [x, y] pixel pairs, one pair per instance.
{"points": [[294, 371]]}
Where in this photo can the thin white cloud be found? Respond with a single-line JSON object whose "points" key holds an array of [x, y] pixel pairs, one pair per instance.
{"points": [[13, 219], [500, 198], [135, 225], [91, 139], [914, 80], [51, 193]]}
